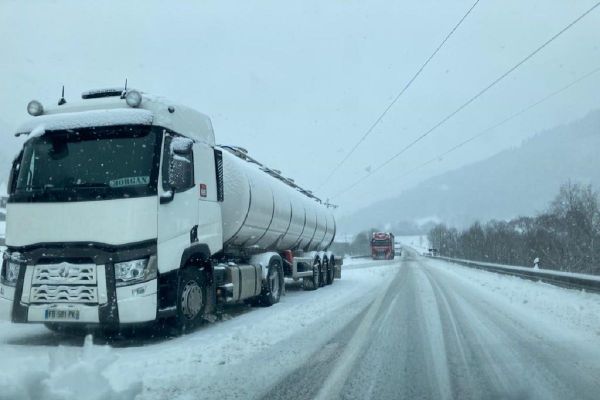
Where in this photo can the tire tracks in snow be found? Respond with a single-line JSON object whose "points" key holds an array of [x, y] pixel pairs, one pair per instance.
{"points": [[335, 381], [507, 356], [325, 373]]}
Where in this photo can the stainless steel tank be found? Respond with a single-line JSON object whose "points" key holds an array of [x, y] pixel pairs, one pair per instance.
{"points": [[261, 211]]}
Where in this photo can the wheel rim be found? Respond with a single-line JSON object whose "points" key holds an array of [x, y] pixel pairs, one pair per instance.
{"points": [[316, 273], [325, 271], [191, 300], [274, 282]]}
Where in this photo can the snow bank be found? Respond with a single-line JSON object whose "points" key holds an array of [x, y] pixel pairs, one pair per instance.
{"points": [[67, 375], [364, 262], [541, 271]]}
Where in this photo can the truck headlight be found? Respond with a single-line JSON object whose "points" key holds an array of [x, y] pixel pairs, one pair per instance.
{"points": [[10, 271], [135, 271]]}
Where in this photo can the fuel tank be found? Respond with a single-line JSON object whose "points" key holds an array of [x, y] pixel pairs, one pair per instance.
{"points": [[264, 210]]}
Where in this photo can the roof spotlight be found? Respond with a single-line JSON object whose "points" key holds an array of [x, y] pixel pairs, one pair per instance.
{"points": [[133, 98], [35, 108]]}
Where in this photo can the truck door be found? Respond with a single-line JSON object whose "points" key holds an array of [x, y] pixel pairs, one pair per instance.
{"points": [[178, 205], [209, 191]]}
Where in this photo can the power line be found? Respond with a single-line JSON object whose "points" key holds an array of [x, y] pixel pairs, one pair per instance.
{"points": [[498, 124], [471, 100], [378, 120]]}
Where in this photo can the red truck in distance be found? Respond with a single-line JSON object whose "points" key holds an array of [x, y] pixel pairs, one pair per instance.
{"points": [[382, 246]]}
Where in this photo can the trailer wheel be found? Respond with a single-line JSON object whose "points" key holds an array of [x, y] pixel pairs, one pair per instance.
{"points": [[312, 282], [191, 298], [272, 290], [325, 272], [331, 271]]}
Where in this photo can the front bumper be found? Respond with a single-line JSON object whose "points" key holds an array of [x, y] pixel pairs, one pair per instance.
{"points": [[111, 305], [135, 303]]}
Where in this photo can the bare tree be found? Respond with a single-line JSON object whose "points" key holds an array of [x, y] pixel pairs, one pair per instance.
{"points": [[566, 237]]}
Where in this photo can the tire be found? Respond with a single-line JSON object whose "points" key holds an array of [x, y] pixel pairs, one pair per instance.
{"points": [[326, 272], [191, 298], [273, 286], [331, 271], [312, 282], [323, 275], [335, 270]]}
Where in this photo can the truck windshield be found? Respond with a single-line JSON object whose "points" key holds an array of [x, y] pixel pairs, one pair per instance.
{"points": [[89, 164]]}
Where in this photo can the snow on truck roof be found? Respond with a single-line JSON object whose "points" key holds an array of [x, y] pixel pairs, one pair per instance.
{"points": [[82, 119], [107, 107]]}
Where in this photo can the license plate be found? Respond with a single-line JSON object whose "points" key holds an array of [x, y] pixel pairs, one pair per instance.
{"points": [[62, 315]]}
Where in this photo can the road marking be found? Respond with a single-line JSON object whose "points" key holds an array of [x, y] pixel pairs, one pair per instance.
{"points": [[336, 379]]}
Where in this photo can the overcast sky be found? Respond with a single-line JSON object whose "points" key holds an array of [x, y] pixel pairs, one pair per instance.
{"points": [[298, 82]]}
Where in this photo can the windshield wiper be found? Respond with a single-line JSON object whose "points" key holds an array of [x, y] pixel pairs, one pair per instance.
{"points": [[37, 189]]}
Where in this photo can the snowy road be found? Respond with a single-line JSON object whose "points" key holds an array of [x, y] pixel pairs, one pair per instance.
{"points": [[415, 328], [440, 334]]}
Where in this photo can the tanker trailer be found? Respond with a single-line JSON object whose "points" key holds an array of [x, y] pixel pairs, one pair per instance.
{"points": [[122, 210]]}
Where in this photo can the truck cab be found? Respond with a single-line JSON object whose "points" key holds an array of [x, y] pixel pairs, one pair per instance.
{"points": [[98, 191], [382, 246]]}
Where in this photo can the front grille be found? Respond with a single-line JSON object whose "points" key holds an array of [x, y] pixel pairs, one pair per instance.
{"points": [[64, 283], [64, 294], [64, 273]]}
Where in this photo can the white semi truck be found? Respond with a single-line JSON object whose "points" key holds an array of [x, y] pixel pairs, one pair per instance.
{"points": [[123, 210]]}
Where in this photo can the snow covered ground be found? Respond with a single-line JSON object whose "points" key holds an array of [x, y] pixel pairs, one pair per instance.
{"points": [[211, 362], [552, 307], [440, 329], [363, 262], [417, 242], [444, 331]]}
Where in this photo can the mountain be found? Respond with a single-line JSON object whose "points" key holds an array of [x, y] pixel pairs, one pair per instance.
{"points": [[517, 181]]}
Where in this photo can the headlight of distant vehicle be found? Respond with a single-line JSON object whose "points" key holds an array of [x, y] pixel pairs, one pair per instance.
{"points": [[10, 270], [135, 271]]}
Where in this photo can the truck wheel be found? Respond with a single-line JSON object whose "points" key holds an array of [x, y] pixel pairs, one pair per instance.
{"points": [[331, 272], [323, 273], [312, 282], [337, 272], [191, 298], [272, 290]]}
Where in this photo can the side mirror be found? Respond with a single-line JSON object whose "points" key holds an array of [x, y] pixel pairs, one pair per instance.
{"points": [[14, 173], [167, 196], [177, 167], [181, 146]]}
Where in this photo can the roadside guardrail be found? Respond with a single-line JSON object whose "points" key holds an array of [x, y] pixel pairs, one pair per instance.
{"points": [[568, 280]]}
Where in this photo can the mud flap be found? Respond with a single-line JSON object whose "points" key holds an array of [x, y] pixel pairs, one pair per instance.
{"points": [[338, 272]]}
